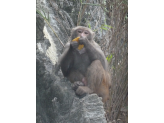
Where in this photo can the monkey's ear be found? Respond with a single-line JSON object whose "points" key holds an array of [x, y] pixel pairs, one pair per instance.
{"points": [[73, 29]]}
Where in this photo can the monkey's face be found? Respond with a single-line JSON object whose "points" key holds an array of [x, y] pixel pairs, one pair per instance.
{"points": [[82, 32]]}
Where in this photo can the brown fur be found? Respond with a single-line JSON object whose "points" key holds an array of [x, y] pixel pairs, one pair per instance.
{"points": [[98, 80]]}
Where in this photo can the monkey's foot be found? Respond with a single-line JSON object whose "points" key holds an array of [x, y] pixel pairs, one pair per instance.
{"points": [[76, 84], [81, 90]]}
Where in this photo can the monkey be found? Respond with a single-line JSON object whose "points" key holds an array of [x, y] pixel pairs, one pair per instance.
{"points": [[86, 68]]}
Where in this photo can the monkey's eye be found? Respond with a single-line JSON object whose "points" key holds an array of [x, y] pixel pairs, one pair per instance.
{"points": [[79, 31], [86, 32]]}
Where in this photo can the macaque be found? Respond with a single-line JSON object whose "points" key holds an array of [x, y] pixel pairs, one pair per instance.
{"points": [[85, 65]]}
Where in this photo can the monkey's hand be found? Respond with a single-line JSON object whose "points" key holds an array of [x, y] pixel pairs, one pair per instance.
{"points": [[76, 84], [81, 90], [83, 41], [74, 44]]}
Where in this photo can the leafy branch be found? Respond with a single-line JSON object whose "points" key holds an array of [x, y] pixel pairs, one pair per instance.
{"points": [[105, 26], [109, 58]]}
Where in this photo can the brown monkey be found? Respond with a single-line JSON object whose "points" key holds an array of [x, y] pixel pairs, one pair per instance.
{"points": [[87, 68]]}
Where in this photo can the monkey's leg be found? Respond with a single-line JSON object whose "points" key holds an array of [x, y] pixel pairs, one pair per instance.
{"points": [[98, 79], [74, 76], [77, 79], [79, 83]]}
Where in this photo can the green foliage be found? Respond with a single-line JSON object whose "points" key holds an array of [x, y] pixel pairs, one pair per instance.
{"points": [[44, 16], [105, 26], [126, 16], [113, 67], [109, 58], [89, 25], [95, 30], [125, 1]]}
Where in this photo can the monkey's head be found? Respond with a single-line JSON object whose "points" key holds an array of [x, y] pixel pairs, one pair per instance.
{"points": [[83, 32]]}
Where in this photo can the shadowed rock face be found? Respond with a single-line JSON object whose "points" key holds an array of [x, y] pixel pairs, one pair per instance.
{"points": [[56, 102]]}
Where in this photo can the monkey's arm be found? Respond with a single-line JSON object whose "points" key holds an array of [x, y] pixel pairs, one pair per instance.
{"points": [[62, 59], [67, 60], [94, 52]]}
